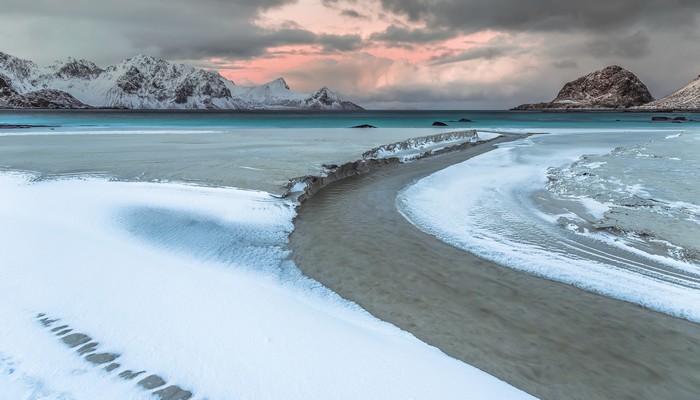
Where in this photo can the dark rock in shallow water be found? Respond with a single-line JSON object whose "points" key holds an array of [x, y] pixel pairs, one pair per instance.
{"points": [[676, 120], [364, 126], [23, 126], [438, 123], [465, 120]]}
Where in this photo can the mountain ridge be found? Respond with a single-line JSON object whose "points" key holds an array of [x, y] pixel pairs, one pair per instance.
{"points": [[687, 98], [146, 82]]}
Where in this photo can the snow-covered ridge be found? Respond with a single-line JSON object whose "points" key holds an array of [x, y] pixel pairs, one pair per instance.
{"points": [[145, 82], [303, 187], [685, 98], [410, 149]]}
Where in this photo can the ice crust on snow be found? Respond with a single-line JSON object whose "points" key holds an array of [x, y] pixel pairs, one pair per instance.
{"points": [[487, 205]]}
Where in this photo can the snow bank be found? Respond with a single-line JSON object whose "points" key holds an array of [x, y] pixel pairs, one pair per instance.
{"points": [[190, 283], [489, 206]]}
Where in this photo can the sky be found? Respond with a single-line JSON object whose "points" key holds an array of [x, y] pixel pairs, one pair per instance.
{"points": [[381, 54]]}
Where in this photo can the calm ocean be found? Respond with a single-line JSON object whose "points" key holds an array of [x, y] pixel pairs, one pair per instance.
{"points": [[285, 119]]}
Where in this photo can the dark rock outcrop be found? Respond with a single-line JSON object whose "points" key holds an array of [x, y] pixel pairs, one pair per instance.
{"points": [[364, 126], [438, 123], [611, 88]]}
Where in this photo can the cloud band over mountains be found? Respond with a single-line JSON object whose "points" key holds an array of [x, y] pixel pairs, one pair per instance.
{"points": [[448, 53]]}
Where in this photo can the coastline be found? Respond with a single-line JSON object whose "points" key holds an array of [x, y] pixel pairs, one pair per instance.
{"points": [[371, 159], [550, 339]]}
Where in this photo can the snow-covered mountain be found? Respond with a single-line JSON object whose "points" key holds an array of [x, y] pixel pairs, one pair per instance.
{"points": [[685, 98], [146, 82], [612, 87]]}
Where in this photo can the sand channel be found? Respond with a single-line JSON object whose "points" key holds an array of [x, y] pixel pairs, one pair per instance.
{"points": [[549, 339]]}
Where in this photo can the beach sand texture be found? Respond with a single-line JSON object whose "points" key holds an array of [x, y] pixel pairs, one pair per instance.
{"points": [[550, 339]]}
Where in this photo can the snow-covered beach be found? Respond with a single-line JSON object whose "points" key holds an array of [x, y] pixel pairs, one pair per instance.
{"points": [[168, 248], [189, 283]]}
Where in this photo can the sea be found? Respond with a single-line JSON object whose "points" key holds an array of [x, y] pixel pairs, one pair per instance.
{"points": [[149, 210]]}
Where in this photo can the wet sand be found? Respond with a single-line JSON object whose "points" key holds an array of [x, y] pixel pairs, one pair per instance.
{"points": [[550, 339]]}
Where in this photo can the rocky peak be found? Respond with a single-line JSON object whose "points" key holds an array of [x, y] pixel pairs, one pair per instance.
{"points": [[278, 83], [612, 87], [72, 68], [17, 66], [143, 59], [324, 96], [4, 82]]}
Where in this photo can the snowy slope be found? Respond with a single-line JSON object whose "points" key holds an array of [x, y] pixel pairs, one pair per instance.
{"points": [[190, 283], [145, 82], [685, 98]]}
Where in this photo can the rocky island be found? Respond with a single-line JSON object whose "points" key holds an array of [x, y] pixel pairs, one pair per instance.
{"points": [[611, 88]]}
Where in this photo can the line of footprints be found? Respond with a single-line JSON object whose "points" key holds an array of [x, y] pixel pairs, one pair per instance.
{"points": [[85, 346]]}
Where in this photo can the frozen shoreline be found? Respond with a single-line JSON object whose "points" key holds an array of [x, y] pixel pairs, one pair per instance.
{"points": [[149, 225], [163, 263]]}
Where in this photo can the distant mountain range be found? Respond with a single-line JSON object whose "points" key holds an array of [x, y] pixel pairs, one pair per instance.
{"points": [[615, 88], [145, 82]]}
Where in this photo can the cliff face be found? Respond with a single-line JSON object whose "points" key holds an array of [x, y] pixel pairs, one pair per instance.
{"points": [[610, 88], [145, 82], [685, 98]]}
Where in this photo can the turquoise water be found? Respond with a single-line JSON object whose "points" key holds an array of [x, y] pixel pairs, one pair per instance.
{"points": [[111, 119]]}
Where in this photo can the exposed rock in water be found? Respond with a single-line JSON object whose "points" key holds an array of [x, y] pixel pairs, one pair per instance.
{"points": [[465, 120], [24, 126], [611, 88], [364, 126], [438, 123]]}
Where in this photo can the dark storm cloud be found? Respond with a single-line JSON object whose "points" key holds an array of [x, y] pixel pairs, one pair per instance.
{"points": [[547, 15], [565, 64], [173, 29], [632, 46], [352, 14], [399, 34], [339, 42], [477, 53], [336, 3]]}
